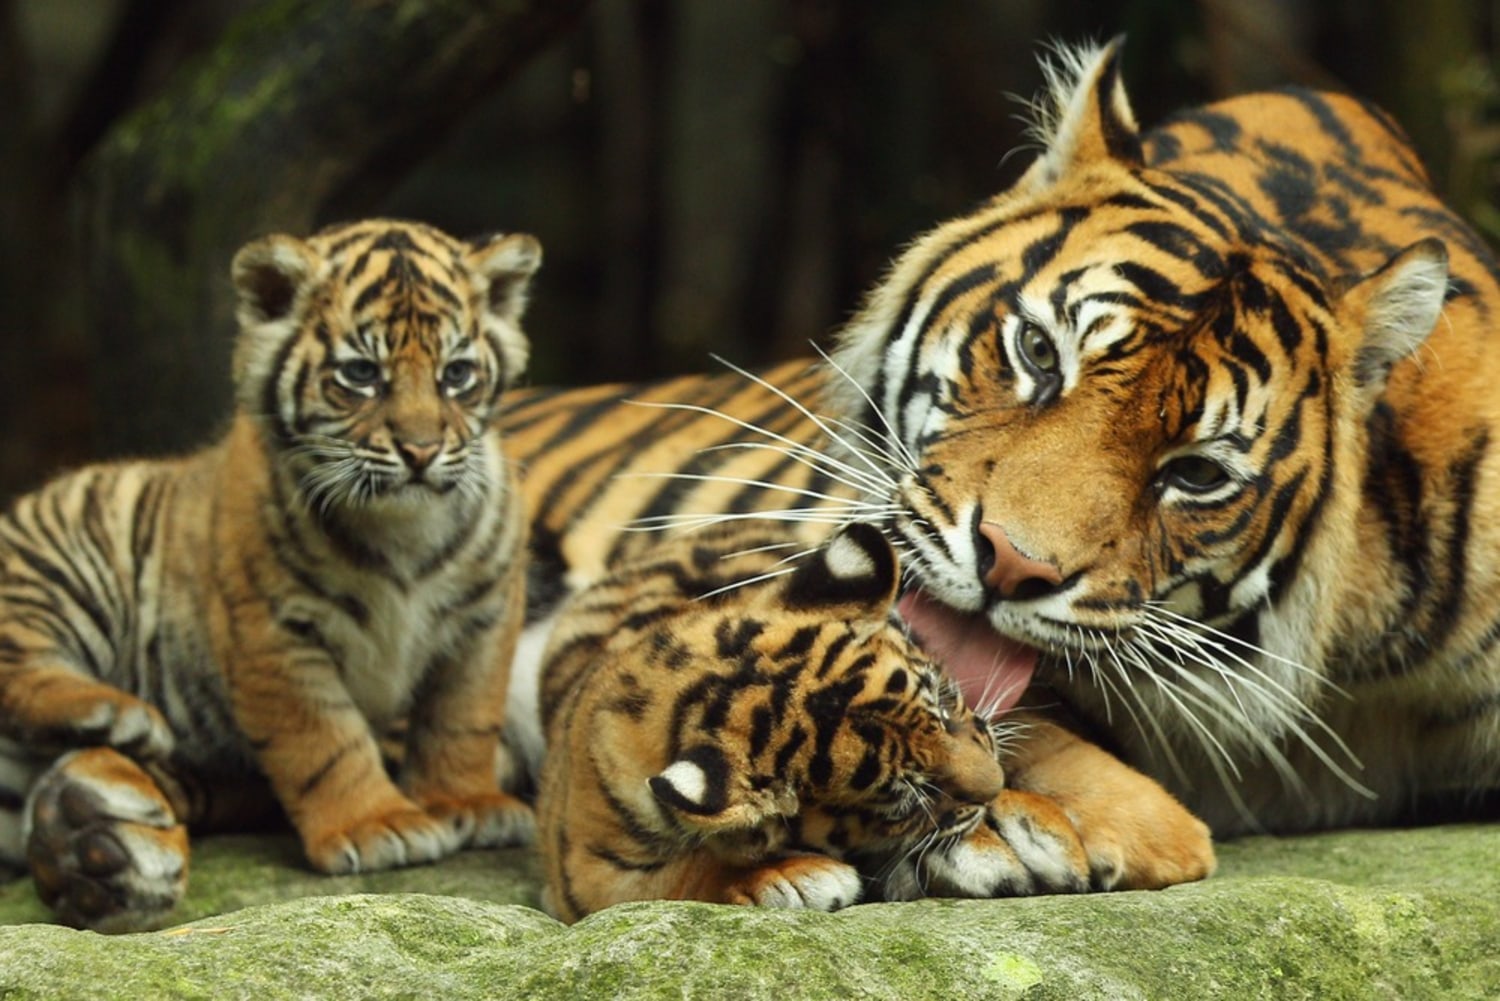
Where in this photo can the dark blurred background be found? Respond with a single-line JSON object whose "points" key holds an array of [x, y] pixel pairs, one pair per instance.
{"points": [[706, 175]]}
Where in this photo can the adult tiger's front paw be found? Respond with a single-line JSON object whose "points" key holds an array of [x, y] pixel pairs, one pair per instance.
{"points": [[1148, 852], [404, 835], [106, 850], [489, 820], [1025, 845]]}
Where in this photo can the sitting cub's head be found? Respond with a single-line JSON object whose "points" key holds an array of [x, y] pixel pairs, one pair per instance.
{"points": [[374, 353]]}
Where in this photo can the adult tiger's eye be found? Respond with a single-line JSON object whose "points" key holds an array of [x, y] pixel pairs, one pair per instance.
{"points": [[1195, 474], [358, 373], [458, 375], [1037, 348]]}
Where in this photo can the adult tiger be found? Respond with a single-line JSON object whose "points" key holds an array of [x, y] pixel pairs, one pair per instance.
{"points": [[1187, 434], [348, 551]]}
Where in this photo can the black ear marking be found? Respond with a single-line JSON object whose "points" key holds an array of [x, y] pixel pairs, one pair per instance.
{"points": [[1116, 123], [697, 782], [856, 566]]}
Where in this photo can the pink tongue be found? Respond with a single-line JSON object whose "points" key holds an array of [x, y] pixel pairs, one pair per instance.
{"points": [[991, 670]]}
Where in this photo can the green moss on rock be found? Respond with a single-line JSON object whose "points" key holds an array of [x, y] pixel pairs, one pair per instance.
{"points": [[1405, 914]]}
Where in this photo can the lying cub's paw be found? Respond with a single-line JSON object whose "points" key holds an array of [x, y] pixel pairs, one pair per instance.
{"points": [[491, 820], [814, 882], [1025, 845], [403, 836], [105, 849]]}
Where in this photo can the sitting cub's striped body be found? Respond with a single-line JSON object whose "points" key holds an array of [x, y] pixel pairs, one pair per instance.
{"points": [[349, 551]]}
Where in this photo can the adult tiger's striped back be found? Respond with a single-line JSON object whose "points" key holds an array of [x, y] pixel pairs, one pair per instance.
{"points": [[173, 630], [1189, 430]]}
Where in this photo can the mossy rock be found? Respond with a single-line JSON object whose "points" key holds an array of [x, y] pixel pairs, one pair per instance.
{"points": [[1366, 914]]}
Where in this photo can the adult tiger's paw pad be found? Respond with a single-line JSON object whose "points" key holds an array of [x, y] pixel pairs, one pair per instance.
{"points": [[105, 849]]}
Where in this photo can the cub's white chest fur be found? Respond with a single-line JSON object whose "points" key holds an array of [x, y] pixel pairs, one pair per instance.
{"points": [[384, 661]]}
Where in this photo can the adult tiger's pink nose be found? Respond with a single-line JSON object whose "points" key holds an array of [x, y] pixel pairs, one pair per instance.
{"points": [[1011, 573]]}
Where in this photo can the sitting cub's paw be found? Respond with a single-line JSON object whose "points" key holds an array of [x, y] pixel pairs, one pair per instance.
{"points": [[405, 835], [105, 848], [1025, 845], [490, 820], [813, 882]]}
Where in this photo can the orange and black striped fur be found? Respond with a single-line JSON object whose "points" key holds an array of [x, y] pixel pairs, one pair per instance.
{"points": [[727, 724], [182, 638], [1189, 431]]}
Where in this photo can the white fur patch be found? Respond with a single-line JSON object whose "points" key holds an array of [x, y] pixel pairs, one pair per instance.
{"points": [[688, 779], [523, 714], [826, 888], [847, 560]]}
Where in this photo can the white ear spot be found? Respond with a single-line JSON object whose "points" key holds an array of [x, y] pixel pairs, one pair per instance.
{"points": [[687, 779], [846, 560]]}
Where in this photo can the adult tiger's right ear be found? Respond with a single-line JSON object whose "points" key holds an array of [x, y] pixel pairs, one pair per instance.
{"points": [[268, 273], [856, 566]]}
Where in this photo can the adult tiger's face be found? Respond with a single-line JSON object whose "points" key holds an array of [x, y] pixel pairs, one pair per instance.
{"points": [[1124, 410], [375, 354]]}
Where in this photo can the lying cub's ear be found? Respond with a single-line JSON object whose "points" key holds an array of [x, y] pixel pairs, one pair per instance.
{"points": [[708, 796], [856, 566], [697, 782]]}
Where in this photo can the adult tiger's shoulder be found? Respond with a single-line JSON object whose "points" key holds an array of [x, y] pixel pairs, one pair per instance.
{"points": [[1190, 432], [175, 633]]}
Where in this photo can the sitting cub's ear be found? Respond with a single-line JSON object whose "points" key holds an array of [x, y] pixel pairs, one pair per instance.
{"points": [[856, 566], [267, 274]]}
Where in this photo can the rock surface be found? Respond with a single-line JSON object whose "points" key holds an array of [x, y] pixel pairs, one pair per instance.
{"points": [[1365, 914]]}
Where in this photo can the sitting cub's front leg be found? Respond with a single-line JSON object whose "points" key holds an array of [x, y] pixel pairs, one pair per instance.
{"points": [[316, 749], [450, 767]]}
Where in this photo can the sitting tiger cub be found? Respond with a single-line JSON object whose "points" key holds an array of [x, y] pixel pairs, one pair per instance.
{"points": [[350, 550], [722, 726]]}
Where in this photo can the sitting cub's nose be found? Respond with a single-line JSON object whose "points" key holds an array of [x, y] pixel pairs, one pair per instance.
{"points": [[418, 454], [1009, 572]]}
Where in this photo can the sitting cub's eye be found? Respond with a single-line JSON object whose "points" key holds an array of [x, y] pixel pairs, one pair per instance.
{"points": [[358, 373], [458, 375], [1037, 348], [1194, 474]]}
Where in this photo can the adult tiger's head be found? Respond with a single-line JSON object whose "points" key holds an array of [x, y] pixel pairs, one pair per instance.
{"points": [[1129, 403], [374, 353]]}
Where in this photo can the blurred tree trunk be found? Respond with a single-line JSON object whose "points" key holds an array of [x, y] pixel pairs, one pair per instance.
{"points": [[23, 266], [269, 133]]}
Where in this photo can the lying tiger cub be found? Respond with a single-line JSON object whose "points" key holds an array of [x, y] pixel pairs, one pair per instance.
{"points": [[348, 551], [726, 725]]}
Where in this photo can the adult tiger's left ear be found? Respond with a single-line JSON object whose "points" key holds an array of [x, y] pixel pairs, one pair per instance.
{"points": [[856, 566], [1395, 307], [1084, 116]]}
